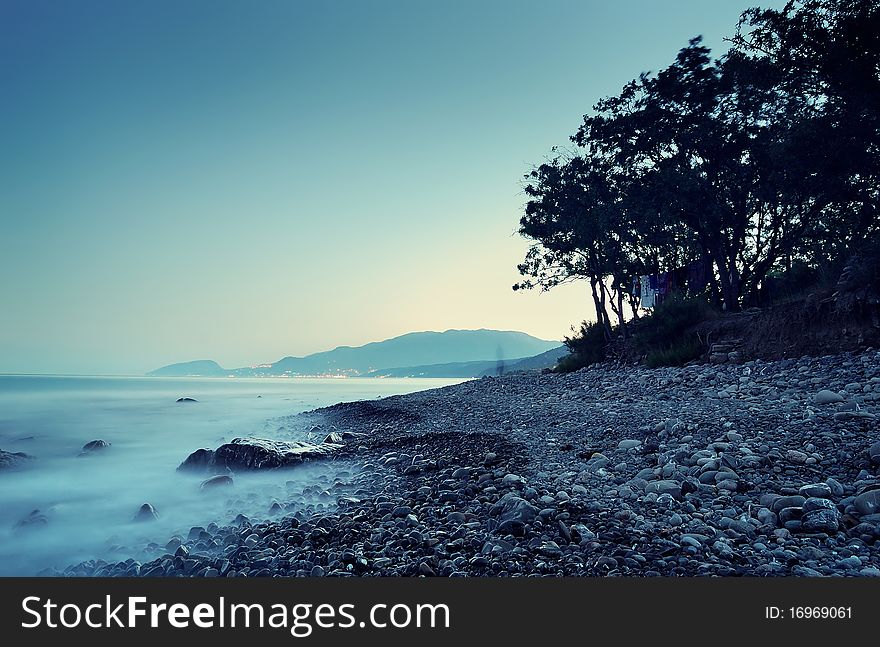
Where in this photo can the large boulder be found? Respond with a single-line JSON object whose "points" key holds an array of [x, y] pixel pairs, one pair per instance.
{"points": [[256, 454]]}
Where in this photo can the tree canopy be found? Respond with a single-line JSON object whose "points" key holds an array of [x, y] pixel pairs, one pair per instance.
{"points": [[747, 162]]}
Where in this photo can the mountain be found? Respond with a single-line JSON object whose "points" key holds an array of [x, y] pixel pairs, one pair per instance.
{"points": [[413, 349], [547, 359], [198, 368]]}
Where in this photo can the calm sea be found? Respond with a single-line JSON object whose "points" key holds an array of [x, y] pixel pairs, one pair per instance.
{"points": [[90, 501]]}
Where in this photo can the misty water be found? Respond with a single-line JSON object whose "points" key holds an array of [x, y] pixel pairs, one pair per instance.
{"points": [[90, 501]]}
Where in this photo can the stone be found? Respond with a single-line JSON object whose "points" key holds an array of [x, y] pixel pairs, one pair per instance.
{"points": [[828, 397], [199, 460], [782, 502], [628, 444], [795, 456], [216, 482], [333, 438], [672, 488], [821, 520], [256, 454], [11, 460], [512, 480], [836, 488], [514, 508], [854, 415], [94, 446], [34, 520], [868, 502], [146, 513], [186, 399], [816, 503], [821, 490], [874, 453]]}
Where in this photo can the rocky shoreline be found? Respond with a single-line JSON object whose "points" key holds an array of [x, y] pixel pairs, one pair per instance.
{"points": [[760, 469]]}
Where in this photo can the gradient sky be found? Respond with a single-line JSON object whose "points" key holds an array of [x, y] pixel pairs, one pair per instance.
{"points": [[246, 180]]}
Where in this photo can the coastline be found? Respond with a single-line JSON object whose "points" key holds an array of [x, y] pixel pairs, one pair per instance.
{"points": [[612, 470]]}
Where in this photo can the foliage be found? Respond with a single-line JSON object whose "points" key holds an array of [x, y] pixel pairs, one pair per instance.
{"points": [[677, 354], [670, 323], [586, 346], [765, 159]]}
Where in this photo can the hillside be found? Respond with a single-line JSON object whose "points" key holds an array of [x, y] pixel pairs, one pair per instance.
{"points": [[482, 348]]}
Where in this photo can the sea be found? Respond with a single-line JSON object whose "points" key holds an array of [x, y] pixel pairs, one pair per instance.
{"points": [[87, 503]]}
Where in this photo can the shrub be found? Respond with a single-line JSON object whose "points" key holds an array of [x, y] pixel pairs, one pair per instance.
{"points": [[586, 346], [676, 355], [666, 335]]}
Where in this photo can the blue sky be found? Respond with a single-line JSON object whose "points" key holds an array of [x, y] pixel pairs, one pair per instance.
{"points": [[246, 180]]}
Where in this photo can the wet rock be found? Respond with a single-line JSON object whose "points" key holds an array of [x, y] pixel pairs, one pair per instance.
{"points": [[821, 520], [217, 482], [256, 454], [874, 453], [513, 508], [672, 488], [32, 521], [868, 502], [200, 460], [146, 513], [333, 438], [94, 446], [828, 397], [821, 490], [11, 460]]}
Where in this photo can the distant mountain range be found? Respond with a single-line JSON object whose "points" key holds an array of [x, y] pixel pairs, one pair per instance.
{"points": [[453, 353]]}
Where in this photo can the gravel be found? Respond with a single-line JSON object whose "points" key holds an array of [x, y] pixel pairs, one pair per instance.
{"points": [[715, 470]]}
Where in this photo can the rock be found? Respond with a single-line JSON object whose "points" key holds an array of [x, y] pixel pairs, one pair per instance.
{"points": [[821, 490], [836, 488], [255, 454], [868, 502], [821, 520], [219, 481], [146, 513], [513, 508], [34, 520], [672, 488], [550, 549], [200, 460], [796, 457], [426, 570], [11, 460], [512, 480], [854, 415], [828, 397], [628, 444], [874, 453], [94, 446], [333, 438], [783, 502], [187, 400]]}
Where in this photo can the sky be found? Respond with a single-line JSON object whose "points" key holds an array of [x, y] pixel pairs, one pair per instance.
{"points": [[242, 181]]}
